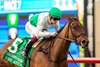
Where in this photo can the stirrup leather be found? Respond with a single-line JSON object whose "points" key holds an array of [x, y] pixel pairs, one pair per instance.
{"points": [[24, 55]]}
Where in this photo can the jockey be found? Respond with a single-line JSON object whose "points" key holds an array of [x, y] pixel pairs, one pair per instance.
{"points": [[39, 23]]}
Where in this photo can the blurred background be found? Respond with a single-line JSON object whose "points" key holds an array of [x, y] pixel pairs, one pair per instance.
{"points": [[14, 17]]}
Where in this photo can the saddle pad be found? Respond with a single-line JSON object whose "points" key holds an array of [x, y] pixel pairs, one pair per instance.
{"points": [[13, 53]]}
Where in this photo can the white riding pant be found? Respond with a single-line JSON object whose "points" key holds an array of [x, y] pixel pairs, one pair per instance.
{"points": [[31, 29]]}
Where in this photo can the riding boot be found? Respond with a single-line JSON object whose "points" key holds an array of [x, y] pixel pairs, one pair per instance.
{"points": [[29, 46]]}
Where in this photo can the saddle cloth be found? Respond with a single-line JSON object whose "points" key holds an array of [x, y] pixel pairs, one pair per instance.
{"points": [[13, 53]]}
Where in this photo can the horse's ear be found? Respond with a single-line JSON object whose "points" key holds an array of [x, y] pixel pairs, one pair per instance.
{"points": [[76, 17], [70, 19]]}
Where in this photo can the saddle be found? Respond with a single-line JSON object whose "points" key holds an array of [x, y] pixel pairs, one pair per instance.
{"points": [[36, 43]]}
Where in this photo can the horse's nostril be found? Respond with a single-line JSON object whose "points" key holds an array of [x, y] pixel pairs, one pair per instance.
{"points": [[85, 43]]}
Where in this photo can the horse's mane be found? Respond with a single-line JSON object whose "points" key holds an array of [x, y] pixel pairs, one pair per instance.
{"points": [[50, 38], [69, 19], [62, 28]]}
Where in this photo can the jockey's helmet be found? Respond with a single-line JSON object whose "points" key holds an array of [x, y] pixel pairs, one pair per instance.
{"points": [[55, 13]]}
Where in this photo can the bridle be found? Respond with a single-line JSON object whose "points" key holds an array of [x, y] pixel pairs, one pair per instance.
{"points": [[72, 40], [75, 37]]}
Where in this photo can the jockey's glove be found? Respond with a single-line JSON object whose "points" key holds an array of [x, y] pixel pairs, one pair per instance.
{"points": [[53, 34]]}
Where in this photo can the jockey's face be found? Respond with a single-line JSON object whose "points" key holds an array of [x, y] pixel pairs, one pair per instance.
{"points": [[54, 20]]}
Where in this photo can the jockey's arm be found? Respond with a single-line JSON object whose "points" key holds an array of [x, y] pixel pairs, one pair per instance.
{"points": [[40, 33], [57, 26], [40, 26]]}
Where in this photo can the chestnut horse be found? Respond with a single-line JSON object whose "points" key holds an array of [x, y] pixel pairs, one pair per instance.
{"points": [[52, 52]]}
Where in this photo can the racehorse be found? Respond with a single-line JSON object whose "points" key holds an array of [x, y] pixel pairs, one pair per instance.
{"points": [[52, 51]]}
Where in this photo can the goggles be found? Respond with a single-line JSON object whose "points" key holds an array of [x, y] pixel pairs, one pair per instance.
{"points": [[55, 18]]}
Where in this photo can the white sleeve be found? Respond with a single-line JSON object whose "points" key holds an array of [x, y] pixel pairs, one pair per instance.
{"points": [[57, 26], [41, 33]]}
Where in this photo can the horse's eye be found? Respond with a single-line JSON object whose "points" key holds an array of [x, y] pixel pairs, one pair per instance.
{"points": [[75, 27]]}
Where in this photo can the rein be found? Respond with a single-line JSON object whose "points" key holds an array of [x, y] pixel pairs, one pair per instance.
{"points": [[71, 40], [65, 38], [72, 58], [74, 40], [68, 51]]}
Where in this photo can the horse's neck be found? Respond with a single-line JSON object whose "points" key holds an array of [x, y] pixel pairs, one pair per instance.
{"points": [[61, 46]]}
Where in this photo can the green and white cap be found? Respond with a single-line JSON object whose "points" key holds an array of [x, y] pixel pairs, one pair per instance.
{"points": [[55, 13]]}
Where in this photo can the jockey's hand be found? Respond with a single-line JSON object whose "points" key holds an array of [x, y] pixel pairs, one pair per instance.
{"points": [[53, 34]]}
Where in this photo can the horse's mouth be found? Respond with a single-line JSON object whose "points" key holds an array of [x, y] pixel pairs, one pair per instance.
{"points": [[83, 46]]}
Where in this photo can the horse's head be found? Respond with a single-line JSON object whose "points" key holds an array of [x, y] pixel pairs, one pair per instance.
{"points": [[77, 32]]}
